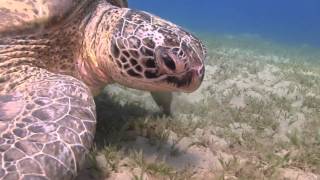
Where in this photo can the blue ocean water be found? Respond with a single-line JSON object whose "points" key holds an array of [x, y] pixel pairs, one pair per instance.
{"points": [[288, 21]]}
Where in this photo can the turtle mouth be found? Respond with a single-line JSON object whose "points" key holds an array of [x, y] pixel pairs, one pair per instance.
{"points": [[183, 81], [187, 82]]}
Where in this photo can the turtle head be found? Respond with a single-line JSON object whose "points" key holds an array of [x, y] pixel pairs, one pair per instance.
{"points": [[152, 54]]}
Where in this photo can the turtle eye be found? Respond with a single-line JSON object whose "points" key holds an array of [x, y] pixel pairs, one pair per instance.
{"points": [[168, 61]]}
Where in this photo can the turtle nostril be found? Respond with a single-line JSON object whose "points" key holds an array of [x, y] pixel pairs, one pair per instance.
{"points": [[168, 61], [201, 71]]}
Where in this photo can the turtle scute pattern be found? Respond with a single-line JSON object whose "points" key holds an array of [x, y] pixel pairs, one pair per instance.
{"points": [[52, 130]]}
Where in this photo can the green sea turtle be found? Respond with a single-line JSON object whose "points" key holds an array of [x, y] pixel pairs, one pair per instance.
{"points": [[55, 55]]}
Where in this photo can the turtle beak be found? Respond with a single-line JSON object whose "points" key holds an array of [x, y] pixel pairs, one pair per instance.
{"points": [[188, 81]]}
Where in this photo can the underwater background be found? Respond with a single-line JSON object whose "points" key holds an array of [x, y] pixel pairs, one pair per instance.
{"points": [[287, 21]]}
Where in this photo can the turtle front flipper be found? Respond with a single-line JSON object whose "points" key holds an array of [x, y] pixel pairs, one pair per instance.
{"points": [[163, 100], [47, 125]]}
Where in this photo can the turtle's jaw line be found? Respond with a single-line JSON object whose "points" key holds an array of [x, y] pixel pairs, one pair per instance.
{"points": [[184, 82], [188, 82]]}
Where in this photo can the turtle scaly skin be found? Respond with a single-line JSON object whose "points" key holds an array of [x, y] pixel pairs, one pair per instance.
{"points": [[56, 55]]}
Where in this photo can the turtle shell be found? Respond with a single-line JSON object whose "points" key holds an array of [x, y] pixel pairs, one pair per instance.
{"points": [[17, 15]]}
